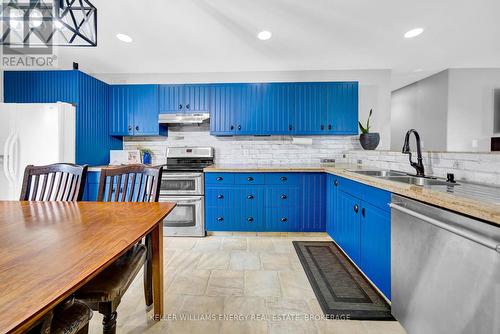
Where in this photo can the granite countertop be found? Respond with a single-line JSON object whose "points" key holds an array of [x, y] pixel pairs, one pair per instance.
{"points": [[480, 201]]}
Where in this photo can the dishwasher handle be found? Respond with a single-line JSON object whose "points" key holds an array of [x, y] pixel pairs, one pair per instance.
{"points": [[492, 244]]}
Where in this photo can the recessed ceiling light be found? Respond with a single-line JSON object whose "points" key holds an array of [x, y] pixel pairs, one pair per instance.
{"points": [[414, 32], [264, 35], [124, 38]]}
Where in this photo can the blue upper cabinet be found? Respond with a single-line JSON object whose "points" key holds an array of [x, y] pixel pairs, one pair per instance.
{"points": [[310, 108], [134, 111], [278, 113], [236, 109], [303, 108], [342, 108], [89, 95], [184, 98]]}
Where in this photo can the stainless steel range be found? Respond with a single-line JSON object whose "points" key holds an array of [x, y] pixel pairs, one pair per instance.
{"points": [[182, 183]]}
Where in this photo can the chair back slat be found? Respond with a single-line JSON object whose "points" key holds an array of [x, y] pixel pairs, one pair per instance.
{"points": [[56, 182], [134, 183]]}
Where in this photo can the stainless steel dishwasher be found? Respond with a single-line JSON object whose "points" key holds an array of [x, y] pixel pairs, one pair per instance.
{"points": [[445, 270]]}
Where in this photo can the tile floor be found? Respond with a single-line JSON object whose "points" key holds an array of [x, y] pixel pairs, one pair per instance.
{"points": [[257, 280]]}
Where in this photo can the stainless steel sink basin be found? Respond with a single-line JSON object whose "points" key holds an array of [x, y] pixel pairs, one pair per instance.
{"points": [[402, 177], [379, 173], [419, 181]]}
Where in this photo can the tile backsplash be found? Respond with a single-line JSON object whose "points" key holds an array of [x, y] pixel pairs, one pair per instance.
{"points": [[279, 150], [472, 167], [249, 150]]}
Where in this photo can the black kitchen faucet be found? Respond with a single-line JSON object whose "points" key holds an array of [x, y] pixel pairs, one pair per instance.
{"points": [[419, 166]]}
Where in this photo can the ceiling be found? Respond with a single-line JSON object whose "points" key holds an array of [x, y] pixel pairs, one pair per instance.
{"points": [[186, 36]]}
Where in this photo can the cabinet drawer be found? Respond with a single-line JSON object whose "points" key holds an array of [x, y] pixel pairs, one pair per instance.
{"points": [[219, 219], [283, 178], [249, 197], [283, 219], [251, 220], [219, 197], [282, 196], [249, 178], [377, 197], [219, 178]]}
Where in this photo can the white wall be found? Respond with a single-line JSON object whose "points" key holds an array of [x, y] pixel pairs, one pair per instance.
{"points": [[423, 106], [471, 108], [374, 87]]}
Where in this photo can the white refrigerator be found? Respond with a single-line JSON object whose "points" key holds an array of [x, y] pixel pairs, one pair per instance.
{"points": [[33, 134]]}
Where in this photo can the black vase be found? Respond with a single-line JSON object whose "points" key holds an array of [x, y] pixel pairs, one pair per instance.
{"points": [[369, 141]]}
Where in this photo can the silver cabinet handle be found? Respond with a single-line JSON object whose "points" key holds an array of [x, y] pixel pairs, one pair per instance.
{"points": [[464, 234]]}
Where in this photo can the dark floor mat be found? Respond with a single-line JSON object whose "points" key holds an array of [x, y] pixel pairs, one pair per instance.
{"points": [[340, 288]]}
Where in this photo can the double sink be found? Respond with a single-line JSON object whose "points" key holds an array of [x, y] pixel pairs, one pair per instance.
{"points": [[404, 178]]}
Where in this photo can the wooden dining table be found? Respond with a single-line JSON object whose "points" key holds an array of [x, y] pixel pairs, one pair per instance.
{"points": [[50, 249]]}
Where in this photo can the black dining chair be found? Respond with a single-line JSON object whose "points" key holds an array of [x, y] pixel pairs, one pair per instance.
{"points": [[135, 183], [58, 182]]}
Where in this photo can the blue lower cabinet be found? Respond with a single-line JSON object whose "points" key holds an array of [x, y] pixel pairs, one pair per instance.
{"points": [[313, 202], [273, 202], [91, 187], [375, 246], [359, 220], [249, 197], [250, 220], [279, 196], [348, 231], [219, 219], [283, 219]]}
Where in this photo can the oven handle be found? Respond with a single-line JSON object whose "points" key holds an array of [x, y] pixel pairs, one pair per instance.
{"points": [[180, 200], [166, 176]]}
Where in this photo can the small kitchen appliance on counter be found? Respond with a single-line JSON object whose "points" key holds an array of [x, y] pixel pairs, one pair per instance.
{"points": [[182, 183]]}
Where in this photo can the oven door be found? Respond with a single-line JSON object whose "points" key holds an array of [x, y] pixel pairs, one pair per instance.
{"points": [[181, 184], [187, 218]]}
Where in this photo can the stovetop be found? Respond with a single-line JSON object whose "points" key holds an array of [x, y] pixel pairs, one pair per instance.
{"points": [[188, 159]]}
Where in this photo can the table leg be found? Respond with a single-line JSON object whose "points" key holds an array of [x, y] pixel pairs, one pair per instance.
{"points": [[157, 264]]}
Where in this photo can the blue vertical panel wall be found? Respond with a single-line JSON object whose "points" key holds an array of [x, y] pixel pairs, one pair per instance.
{"points": [[313, 215], [88, 94], [41, 86], [278, 110], [93, 141]]}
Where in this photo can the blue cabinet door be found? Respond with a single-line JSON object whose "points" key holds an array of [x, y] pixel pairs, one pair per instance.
{"points": [[375, 254], [121, 113], [310, 108], [278, 110], [134, 111], [236, 109], [342, 108], [348, 229], [146, 111], [313, 206], [184, 98], [91, 186]]}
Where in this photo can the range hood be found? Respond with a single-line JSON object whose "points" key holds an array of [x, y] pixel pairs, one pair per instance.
{"points": [[194, 118]]}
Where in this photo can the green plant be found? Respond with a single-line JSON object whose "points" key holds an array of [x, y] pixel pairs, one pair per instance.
{"points": [[367, 128]]}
